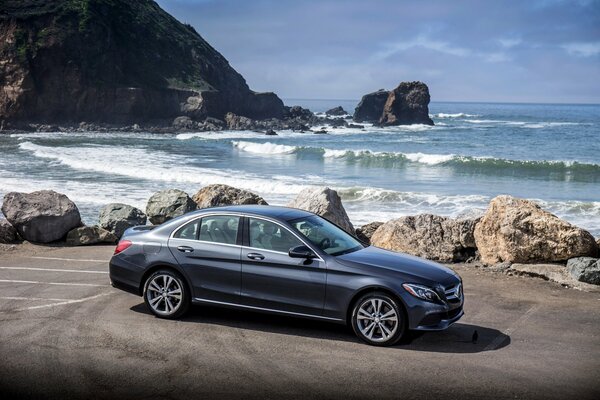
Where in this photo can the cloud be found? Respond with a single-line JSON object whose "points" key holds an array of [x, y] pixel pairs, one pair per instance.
{"points": [[423, 42], [582, 49], [508, 43], [495, 57]]}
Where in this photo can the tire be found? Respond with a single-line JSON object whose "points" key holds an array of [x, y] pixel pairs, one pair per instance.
{"points": [[378, 319], [166, 294]]}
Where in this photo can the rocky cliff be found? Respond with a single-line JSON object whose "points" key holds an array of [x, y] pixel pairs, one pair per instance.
{"points": [[114, 61]]}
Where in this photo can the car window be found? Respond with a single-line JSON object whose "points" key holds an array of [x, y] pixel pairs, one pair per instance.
{"points": [[327, 236], [219, 229], [271, 236], [188, 231]]}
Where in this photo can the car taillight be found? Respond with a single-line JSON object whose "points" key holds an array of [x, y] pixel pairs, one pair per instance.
{"points": [[122, 245]]}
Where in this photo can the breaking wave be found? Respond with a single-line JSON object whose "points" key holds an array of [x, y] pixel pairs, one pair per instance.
{"points": [[395, 158]]}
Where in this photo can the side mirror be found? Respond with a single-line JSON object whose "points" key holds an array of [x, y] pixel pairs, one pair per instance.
{"points": [[301, 252]]}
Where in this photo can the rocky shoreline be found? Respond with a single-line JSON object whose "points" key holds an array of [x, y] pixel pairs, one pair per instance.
{"points": [[513, 236], [407, 104]]}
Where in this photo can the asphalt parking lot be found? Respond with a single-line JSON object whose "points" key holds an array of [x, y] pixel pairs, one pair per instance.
{"points": [[66, 333]]}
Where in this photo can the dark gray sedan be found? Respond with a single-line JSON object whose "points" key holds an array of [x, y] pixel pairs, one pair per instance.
{"points": [[285, 261]]}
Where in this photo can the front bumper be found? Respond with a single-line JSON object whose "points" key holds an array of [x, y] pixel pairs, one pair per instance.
{"points": [[428, 316], [440, 321]]}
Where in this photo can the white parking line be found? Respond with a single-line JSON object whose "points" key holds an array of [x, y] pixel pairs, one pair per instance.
{"points": [[508, 331], [50, 283], [55, 270], [31, 298], [62, 303], [67, 259]]}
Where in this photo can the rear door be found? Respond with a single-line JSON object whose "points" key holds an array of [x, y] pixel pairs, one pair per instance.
{"points": [[209, 251], [271, 279]]}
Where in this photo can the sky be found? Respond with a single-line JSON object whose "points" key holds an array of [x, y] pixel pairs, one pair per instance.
{"points": [[544, 51]]}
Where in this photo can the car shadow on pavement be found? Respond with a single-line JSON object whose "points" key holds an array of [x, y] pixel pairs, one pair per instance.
{"points": [[459, 338]]}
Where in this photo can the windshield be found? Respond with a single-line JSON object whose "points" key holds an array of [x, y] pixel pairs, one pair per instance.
{"points": [[331, 239]]}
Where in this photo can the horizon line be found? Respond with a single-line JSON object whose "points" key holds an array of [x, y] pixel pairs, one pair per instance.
{"points": [[459, 101]]}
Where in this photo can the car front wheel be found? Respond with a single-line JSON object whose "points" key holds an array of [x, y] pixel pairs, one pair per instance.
{"points": [[166, 294], [378, 320]]}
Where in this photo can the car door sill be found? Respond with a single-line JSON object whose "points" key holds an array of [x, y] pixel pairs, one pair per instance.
{"points": [[223, 303]]}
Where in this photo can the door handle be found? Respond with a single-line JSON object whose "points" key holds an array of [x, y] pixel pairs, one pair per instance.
{"points": [[255, 256], [185, 249]]}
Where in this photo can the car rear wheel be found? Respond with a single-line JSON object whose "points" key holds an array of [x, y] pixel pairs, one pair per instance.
{"points": [[166, 294], [378, 320]]}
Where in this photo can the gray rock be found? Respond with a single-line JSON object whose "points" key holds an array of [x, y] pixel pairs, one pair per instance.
{"points": [[336, 111], [43, 217], [365, 232], [370, 107], [238, 122], [297, 112], [224, 195], [407, 104], [183, 122], [552, 272], [326, 203], [168, 204], [585, 269], [86, 235], [117, 217], [428, 236], [8, 233]]}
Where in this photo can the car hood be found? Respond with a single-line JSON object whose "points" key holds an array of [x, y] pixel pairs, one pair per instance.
{"points": [[401, 262]]}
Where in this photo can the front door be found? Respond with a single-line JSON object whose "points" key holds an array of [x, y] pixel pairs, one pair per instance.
{"points": [[271, 279], [208, 251]]}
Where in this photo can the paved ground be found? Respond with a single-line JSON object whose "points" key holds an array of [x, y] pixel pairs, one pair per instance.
{"points": [[64, 332]]}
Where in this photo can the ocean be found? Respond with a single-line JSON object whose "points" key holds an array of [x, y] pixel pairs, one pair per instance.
{"points": [[475, 151]]}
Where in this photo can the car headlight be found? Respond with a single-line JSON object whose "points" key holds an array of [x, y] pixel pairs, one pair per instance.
{"points": [[421, 292]]}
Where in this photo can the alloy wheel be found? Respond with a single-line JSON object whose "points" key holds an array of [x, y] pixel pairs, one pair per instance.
{"points": [[164, 294], [377, 320]]}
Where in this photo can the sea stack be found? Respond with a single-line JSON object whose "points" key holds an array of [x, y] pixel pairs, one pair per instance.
{"points": [[405, 105]]}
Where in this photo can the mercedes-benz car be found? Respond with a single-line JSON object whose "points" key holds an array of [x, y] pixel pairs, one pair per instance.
{"points": [[284, 261]]}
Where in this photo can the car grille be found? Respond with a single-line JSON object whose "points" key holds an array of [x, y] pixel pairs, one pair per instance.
{"points": [[454, 293]]}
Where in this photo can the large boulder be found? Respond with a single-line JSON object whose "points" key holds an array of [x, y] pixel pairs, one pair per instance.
{"points": [[519, 231], [326, 203], [407, 104], [585, 269], [43, 217], [224, 195], [86, 235], [118, 217], [365, 232], [168, 204], [370, 107], [428, 236], [8, 233]]}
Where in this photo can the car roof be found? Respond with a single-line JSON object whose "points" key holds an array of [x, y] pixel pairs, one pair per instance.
{"points": [[283, 213]]}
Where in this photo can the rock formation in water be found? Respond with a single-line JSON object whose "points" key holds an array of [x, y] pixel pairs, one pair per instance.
{"points": [[115, 61], [407, 104], [370, 107]]}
